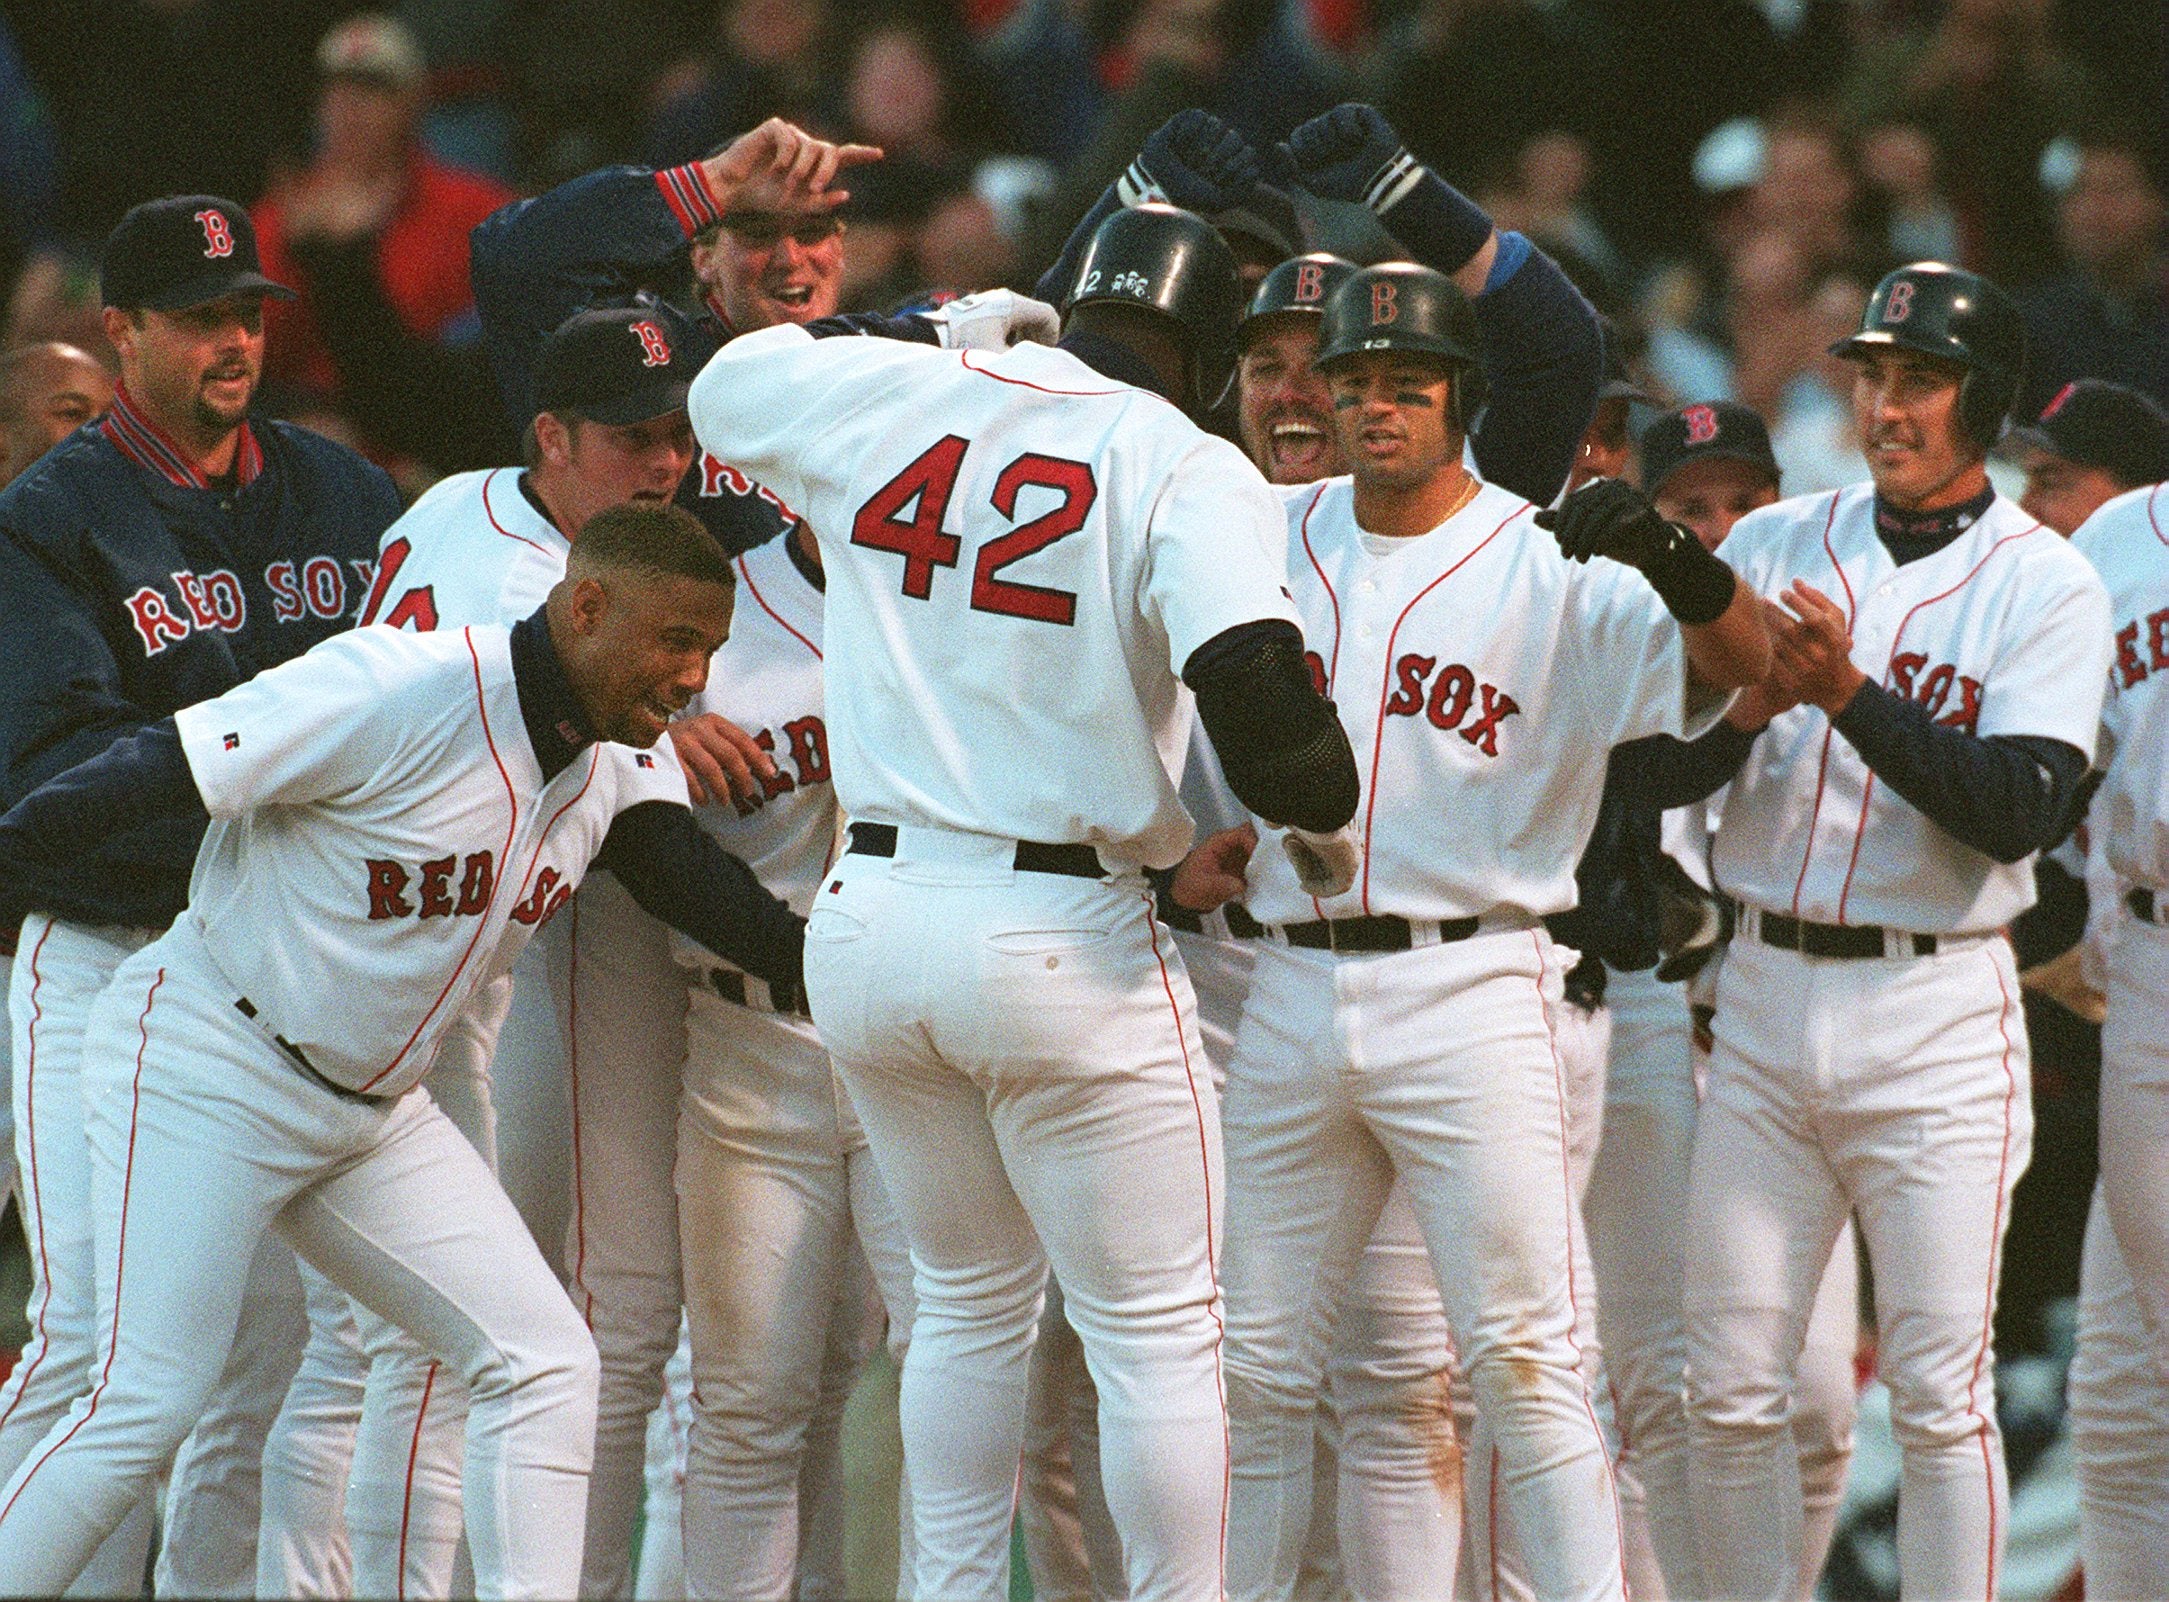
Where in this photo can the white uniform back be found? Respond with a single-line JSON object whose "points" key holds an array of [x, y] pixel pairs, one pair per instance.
{"points": [[2003, 631], [767, 680], [1021, 556], [1481, 677], [383, 842], [472, 550], [2127, 540]]}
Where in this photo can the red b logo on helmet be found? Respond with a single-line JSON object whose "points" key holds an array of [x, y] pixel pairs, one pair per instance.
{"points": [[1701, 424], [1900, 305], [654, 349], [217, 236], [1385, 304], [1309, 282]]}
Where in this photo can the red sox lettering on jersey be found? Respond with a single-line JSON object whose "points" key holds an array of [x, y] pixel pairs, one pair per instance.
{"points": [[335, 812], [2003, 631], [1472, 719], [217, 601], [2127, 540]]}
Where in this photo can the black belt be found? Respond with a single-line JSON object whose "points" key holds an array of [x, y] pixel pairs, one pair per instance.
{"points": [[1077, 861], [732, 987], [2145, 905], [1241, 925], [1850, 941], [247, 1009], [1385, 933]]}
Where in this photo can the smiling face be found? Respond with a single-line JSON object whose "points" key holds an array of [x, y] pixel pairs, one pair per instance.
{"points": [[1391, 417], [1284, 406], [585, 466], [1709, 496], [194, 370], [638, 648], [765, 268], [1905, 407]]}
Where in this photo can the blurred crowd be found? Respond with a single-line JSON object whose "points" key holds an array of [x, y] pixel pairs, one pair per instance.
{"points": [[1724, 178]]}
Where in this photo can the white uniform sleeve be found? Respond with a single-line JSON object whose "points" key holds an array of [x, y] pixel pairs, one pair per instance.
{"points": [[1215, 551], [309, 729], [650, 775], [2052, 671], [1631, 659]]}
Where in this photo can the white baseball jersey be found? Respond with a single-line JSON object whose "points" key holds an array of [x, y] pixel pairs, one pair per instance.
{"points": [[767, 680], [1021, 556], [472, 550], [1482, 678], [2003, 631], [2127, 540], [383, 842]]}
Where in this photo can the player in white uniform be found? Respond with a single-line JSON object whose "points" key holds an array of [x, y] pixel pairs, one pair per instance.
{"points": [[1935, 694], [2120, 1377], [478, 548], [1472, 720], [393, 818], [1023, 551]]}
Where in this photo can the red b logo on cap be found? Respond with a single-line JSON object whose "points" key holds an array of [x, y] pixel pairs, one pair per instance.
{"points": [[1701, 424], [1309, 282], [654, 349], [217, 237], [1900, 305], [1385, 304]]}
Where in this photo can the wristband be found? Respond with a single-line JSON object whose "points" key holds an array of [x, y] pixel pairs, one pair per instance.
{"points": [[1441, 226], [1694, 585]]}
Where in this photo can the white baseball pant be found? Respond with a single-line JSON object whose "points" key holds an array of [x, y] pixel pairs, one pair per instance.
{"points": [[203, 1134], [1028, 1040], [660, 1576], [1894, 1089], [2119, 1426], [781, 1212], [8, 1172], [1436, 1065], [1637, 1214], [2135, 1110], [60, 971]]}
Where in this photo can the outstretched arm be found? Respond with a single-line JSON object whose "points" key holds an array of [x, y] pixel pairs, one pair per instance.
{"points": [[671, 867]]}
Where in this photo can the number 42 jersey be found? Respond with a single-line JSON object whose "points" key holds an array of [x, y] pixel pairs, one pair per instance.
{"points": [[1021, 555]]}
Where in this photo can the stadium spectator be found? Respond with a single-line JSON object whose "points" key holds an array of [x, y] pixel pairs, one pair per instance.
{"points": [[2108, 315], [767, 60]]}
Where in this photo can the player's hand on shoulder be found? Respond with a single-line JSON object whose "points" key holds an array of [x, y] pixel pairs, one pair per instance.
{"points": [[781, 167], [1349, 153], [994, 319], [1212, 874], [1195, 161], [1325, 864], [1607, 517], [722, 762]]}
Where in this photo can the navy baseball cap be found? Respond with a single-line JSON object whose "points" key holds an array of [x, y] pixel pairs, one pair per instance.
{"points": [[2101, 425], [622, 365], [182, 251], [1718, 429]]}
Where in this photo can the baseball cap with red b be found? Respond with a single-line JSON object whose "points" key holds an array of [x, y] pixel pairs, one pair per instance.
{"points": [[182, 251], [615, 366]]}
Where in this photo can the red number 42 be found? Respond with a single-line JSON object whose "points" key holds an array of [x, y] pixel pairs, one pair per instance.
{"points": [[924, 489]]}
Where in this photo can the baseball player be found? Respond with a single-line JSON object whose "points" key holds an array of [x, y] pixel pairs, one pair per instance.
{"points": [[1924, 731], [2092, 442], [1642, 882], [478, 548], [153, 560], [394, 817], [1019, 546], [756, 230], [2120, 1377], [1339, 1082]]}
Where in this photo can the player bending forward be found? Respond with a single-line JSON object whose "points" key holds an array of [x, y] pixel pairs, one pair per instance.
{"points": [[1023, 550], [1400, 1028], [391, 819]]}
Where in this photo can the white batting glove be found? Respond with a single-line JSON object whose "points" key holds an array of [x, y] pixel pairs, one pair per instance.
{"points": [[994, 319], [1325, 864]]}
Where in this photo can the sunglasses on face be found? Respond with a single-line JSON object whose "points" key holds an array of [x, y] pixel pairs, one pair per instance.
{"points": [[760, 229]]}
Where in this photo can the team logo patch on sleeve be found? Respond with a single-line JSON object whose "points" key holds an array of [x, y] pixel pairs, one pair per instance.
{"points": [[233, 742], [643, 760]]}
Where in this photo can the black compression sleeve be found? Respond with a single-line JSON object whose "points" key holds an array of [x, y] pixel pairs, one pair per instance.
{"points": [[671, 867], [1676, 773], [1279, 741], [2003, 795]]}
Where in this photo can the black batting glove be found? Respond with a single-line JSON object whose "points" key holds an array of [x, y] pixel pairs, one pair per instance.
{"points": [[1351, 153], [1195, 161], [1610, 517]]}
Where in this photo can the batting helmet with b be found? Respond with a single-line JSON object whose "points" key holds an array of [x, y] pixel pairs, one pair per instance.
{"points": [[1401, 306], [1173, 262], [1958, 317], [1299, 286]]}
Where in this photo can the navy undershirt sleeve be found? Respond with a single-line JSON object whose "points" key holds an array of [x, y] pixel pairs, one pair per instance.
{"points": [[2004, 795], [879, 325], [677, 873], [1671, 773]]}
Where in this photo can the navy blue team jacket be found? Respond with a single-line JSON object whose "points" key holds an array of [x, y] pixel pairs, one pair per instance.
{"points": [[129, 589], [610, 238]]}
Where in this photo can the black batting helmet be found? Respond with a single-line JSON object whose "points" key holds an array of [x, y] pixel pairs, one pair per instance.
{"points": [[1299, 286], [1175, 263], [1401, 306], [1960, 317]]}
